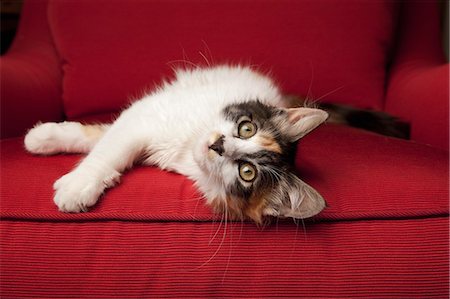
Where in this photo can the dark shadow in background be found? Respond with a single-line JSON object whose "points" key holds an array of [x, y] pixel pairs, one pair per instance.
{"points": [[9, 15]]}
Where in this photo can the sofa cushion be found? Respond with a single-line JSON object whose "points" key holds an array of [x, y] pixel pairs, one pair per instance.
{"points": [[384, 234], [360, 174], [325, 49], [406, 258]]}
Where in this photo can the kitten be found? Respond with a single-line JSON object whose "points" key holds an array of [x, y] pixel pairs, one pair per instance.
{"points": [[227, 128]]}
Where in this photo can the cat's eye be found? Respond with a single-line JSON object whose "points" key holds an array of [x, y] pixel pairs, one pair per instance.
{"points": [[247, 171], [246, 129]]}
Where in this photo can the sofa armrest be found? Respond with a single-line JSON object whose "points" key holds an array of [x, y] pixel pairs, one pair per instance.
{"points": [[31, 75], [420, 95], [418, 87]]}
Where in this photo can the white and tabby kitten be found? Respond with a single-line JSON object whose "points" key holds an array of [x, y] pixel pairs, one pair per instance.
{"points": [[227, 128]]}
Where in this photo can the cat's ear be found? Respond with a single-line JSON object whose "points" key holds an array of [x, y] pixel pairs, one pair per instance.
{"points": [[300, 201], [300, 121]]}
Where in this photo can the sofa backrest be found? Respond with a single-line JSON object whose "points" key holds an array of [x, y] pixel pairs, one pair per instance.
{"points": [[114, 51]]}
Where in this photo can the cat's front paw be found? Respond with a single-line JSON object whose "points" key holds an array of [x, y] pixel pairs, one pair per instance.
{"points": [[75, 192]]}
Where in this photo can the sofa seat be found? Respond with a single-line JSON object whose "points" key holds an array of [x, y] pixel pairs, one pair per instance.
{"points": [[384, 233]]}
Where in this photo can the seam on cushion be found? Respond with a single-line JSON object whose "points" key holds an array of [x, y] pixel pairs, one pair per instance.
{"points": [[355, 214], [206, 218]]}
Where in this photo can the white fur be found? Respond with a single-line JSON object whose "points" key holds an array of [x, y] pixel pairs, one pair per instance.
{"points": [[52, 138], [176, 141], [147, 127]]}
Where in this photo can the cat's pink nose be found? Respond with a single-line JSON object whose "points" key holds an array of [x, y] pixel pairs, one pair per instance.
{"points": [[217, 146]]}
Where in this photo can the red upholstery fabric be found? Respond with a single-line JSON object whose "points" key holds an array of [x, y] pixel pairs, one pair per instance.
{"points": [[385, 233], [419, 83], [119, 51], [388, 258], [30, 75], [31, 71], [362, 175]]}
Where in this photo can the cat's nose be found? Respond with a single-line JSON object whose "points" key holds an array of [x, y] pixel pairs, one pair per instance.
{"points": [[217, 146]]}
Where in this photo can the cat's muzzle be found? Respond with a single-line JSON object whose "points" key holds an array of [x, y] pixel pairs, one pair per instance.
{"points": [[217, 146]]}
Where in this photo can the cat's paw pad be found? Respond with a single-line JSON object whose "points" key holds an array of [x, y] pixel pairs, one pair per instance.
{"points": [[41, 139], [76, 192]]}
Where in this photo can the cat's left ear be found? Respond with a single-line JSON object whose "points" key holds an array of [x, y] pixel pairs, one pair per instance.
{"points": [[300, 121], [300, 201]]}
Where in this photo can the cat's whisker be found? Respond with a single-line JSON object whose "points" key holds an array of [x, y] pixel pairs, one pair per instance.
{"points": [[297, 222], [242, 227], [263, 225], [180, 61], [208, 51], [304, 230], [218, 229], [275, 176], [193, 199], [309, 94], [186, 59], [204, 57], [221, 241], [231, 248], [310, 102], [294, 245], [197, 200], [329, 93]]}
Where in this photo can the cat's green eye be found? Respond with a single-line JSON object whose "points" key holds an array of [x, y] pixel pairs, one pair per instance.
{"points": [[247, 171], [246, 129]]}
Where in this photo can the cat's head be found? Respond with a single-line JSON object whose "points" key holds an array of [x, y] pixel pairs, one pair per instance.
{"points": [[247, 162]]}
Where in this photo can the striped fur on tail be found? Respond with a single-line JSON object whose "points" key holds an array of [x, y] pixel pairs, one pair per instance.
{"points": [[370, 120]]}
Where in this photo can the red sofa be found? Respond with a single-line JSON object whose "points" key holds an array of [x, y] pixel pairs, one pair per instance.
{"points": [[385, 232]]}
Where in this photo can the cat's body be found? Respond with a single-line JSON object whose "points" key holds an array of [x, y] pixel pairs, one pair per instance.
{"points": [[226, 128], [191, 126]]}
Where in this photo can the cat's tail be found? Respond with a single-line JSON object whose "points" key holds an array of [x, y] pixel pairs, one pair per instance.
{"points": [[370, 120], [66, 137]]}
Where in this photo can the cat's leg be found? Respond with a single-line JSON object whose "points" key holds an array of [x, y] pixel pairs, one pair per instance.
{"points": [[66, 137], [101, 169]]}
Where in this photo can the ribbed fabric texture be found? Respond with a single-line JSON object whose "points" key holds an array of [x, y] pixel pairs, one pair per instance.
{"points": [[361, 259], [361, 175], [384, 234]]}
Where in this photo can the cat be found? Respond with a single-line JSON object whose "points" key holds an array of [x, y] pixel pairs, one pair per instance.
{"points": [[227, 128]]}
